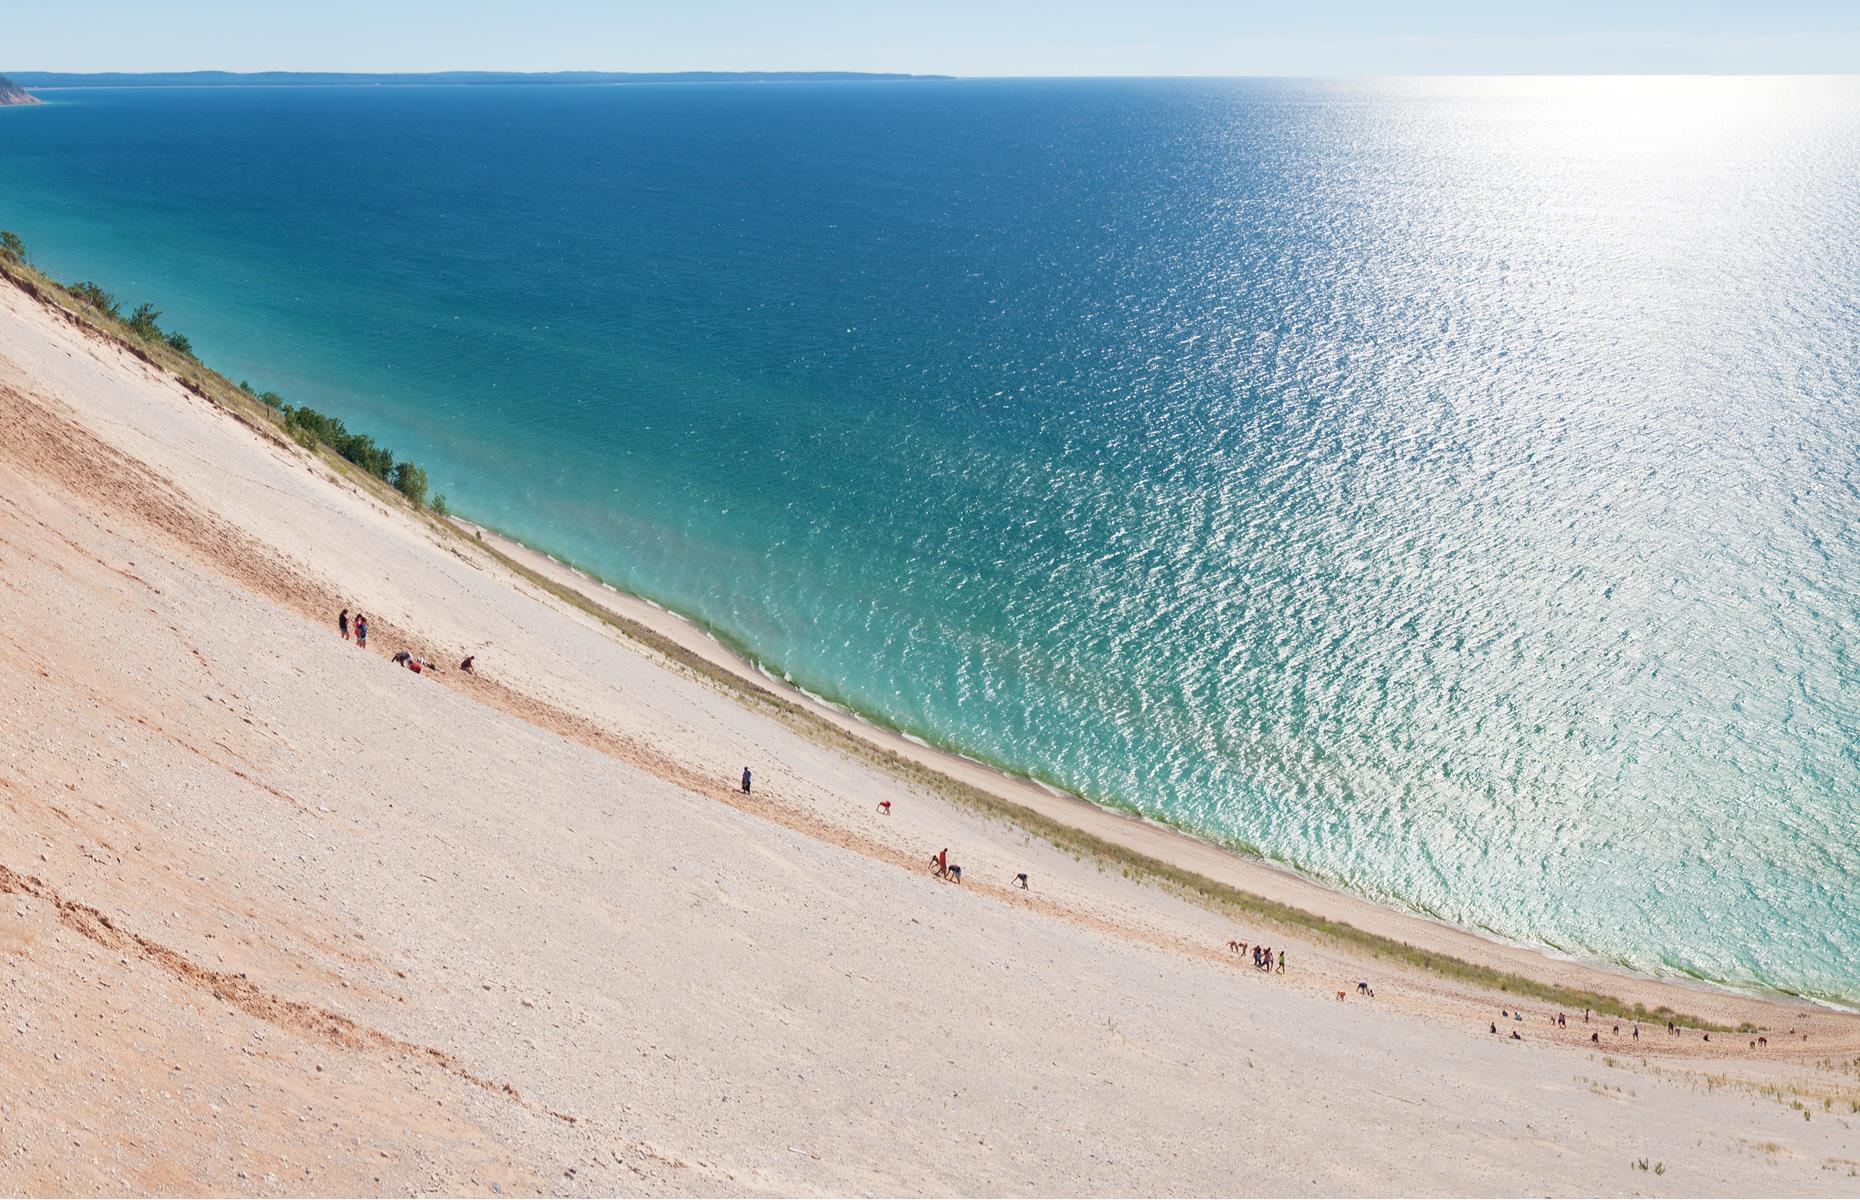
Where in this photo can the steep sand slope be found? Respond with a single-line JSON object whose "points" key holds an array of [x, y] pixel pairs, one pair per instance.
{"points": [[279, 917]]}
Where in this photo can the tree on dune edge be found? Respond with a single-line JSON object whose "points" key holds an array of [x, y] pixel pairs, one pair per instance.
{"points": [[410, 481]]}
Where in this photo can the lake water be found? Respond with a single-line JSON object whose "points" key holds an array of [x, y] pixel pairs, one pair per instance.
{"points": [[1447, 487]]}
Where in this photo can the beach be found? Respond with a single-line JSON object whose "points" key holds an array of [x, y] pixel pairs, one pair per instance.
{"points": [[281, 917]]}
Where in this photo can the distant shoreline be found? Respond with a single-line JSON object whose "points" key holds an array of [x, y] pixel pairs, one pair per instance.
{"points": [[56, 80]]}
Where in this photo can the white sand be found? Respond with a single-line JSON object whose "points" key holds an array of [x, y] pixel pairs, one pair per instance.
{"points": [[277, 916]]}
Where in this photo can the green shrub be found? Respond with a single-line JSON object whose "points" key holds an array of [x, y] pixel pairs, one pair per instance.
{"points": [[11, 247], [361, 450], [439, 504], [411, 482], [358, 448], [97, 298], [179, 342], [142, 321]]}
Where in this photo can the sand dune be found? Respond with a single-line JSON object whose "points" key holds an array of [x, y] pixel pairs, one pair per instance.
{"points": [[280, 917]]}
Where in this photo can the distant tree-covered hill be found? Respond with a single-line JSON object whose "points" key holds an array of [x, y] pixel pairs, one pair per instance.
{"points": [[12, 93], [59, 79]]}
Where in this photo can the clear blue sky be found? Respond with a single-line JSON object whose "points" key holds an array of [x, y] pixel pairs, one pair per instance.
{"points": [[961, 37]]}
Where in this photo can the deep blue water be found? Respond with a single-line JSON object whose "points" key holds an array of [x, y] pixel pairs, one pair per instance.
{"points": [[1450, 488]]}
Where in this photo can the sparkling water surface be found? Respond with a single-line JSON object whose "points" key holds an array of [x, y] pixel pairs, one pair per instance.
{"points": [[1449, 487]]}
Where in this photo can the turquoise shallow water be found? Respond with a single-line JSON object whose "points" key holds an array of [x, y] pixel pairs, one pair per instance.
{"points": [[1448, 487]]}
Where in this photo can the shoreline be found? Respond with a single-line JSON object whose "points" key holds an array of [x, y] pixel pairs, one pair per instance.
{"points": [[1147, 836]]}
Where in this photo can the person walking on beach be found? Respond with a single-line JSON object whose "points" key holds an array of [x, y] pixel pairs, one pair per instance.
{"points": [[942, 862], [955, 872], [884, 808], [466, 665], [342, 623], [1021, 879], [745, 781], [361, 630], [1281, 962]]}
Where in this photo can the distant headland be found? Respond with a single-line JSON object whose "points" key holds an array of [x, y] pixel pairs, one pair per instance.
{"points": [[12, 93], [66, 79]]}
